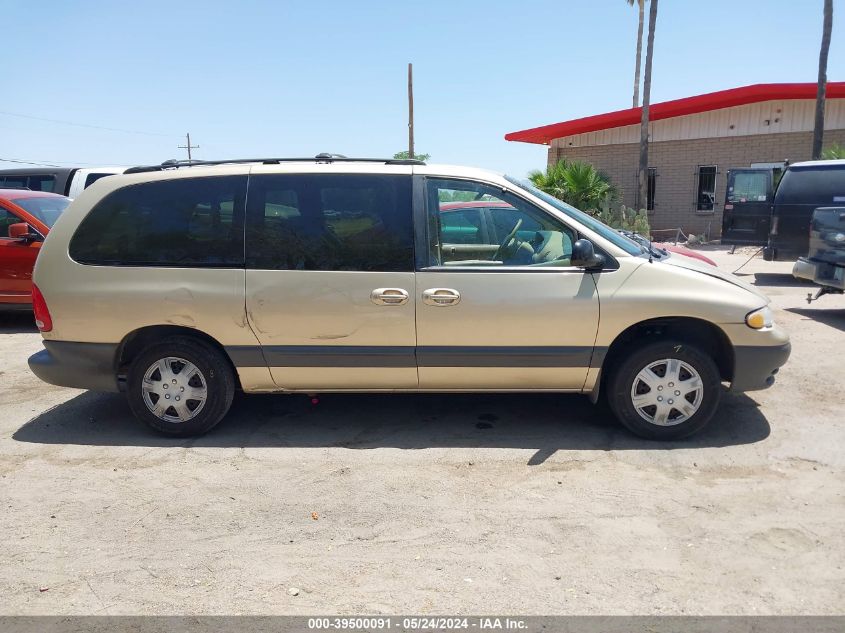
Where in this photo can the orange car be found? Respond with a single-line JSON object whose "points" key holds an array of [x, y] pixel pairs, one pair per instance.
{"points": [[25, 219]]}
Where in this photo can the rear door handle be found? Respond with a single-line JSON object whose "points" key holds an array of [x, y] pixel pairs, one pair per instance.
{"points": [[441, 297], [389, 296]]}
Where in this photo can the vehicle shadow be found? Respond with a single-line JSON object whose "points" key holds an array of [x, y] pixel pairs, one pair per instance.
{"points": [[17, 322], [833, 318], [543, 422], [776, 280]]}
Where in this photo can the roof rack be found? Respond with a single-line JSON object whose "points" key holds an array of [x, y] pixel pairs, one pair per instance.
{"points": [[323, 157]]}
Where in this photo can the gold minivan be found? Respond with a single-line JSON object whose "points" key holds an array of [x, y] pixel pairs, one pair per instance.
{"points": [[180, 283]]}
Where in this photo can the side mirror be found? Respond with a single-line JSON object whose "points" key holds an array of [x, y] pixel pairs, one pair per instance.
{"points": [[585, 256], [21, 232]]}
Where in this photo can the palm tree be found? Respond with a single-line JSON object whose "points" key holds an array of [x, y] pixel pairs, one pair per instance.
{"points": [[405, 154], [642, 195], [818, 128], [576, 182], [641, 6], [834, 151]]}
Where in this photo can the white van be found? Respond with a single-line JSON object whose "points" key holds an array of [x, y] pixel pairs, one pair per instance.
{"points": [[67, 181]]}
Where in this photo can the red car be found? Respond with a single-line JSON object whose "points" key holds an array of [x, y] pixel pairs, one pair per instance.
{"points": [[672, 248], [686, 252], [25, 219]]}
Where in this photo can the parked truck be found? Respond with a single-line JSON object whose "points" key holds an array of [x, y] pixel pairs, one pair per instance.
{"points": [[777, 215], [824, 264]]}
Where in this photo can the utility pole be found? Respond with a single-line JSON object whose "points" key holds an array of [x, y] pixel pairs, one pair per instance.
{"points": [[188, 146], [642, 178], [410, 111], [818, 126]]}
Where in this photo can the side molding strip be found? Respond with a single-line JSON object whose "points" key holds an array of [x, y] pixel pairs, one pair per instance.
{"points": [[406, 356]]}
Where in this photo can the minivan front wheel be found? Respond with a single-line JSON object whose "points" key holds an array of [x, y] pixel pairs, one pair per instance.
{"points": [[664, 390], [181, 386]]}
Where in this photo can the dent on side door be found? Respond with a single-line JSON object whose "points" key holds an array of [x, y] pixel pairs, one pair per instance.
{"points": [[327, 330]]}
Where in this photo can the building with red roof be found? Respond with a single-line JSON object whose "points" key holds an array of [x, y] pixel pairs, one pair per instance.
{"points": [[694, 141]]}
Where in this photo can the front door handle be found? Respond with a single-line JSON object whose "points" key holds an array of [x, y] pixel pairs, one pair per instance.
{"points": [[389, 296], [441, 297]]}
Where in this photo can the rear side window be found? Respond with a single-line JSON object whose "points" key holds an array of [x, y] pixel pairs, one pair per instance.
{"points": [[38, 182], [184, 222], [90, 179], [815, 186], [14, 182], [42, 183], [330, 222]]}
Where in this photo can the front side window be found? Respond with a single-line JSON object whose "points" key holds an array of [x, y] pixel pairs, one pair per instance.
{"points": [[340, 222], [706, 190], [181, 222], [611, 235], [45, 209], [461, 225], [474, 224], [7, 218]]}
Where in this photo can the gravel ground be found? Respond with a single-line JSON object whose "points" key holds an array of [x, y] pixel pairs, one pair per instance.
{"points": [[431, 504]]}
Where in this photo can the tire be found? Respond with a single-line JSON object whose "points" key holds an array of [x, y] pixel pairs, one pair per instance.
{"points": [[162, 368], [688, 412]]}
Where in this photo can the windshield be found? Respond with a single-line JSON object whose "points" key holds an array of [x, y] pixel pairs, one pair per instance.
{"points": [[611, 235], [45, 209]]}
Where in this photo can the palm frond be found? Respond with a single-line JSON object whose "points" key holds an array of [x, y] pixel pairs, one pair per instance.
{"points": [[576, 182]]}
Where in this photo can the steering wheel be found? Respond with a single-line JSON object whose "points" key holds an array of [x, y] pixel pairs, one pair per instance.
{"points": [[510, 237]]}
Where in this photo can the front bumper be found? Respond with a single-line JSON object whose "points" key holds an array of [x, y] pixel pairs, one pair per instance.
{"points": [[77, 365], [755, 366]]}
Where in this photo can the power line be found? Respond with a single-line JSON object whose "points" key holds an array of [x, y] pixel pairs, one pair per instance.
{"points": [[85, 125], [27, 162], [54, 163]]}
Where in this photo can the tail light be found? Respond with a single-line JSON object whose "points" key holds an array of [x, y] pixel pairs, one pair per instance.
{"points": [[42, 314]]}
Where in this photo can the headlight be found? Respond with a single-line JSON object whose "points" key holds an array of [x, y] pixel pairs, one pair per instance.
{"points": [[760, 319]]}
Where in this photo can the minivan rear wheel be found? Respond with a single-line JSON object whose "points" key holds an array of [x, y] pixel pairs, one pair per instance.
{"points": [[664, 390], [180, 386]]}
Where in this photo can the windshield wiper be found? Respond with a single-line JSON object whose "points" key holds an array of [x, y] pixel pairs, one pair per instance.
{"points": [[646, 248]]}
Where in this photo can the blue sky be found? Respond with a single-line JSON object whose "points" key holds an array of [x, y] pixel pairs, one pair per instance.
{"points": [[288, 78]]}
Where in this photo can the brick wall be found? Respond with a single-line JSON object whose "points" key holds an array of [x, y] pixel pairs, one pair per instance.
{"points": [[676, 164]]}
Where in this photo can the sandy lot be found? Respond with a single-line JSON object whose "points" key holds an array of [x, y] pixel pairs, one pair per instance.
{"points": [[431, 504]]}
